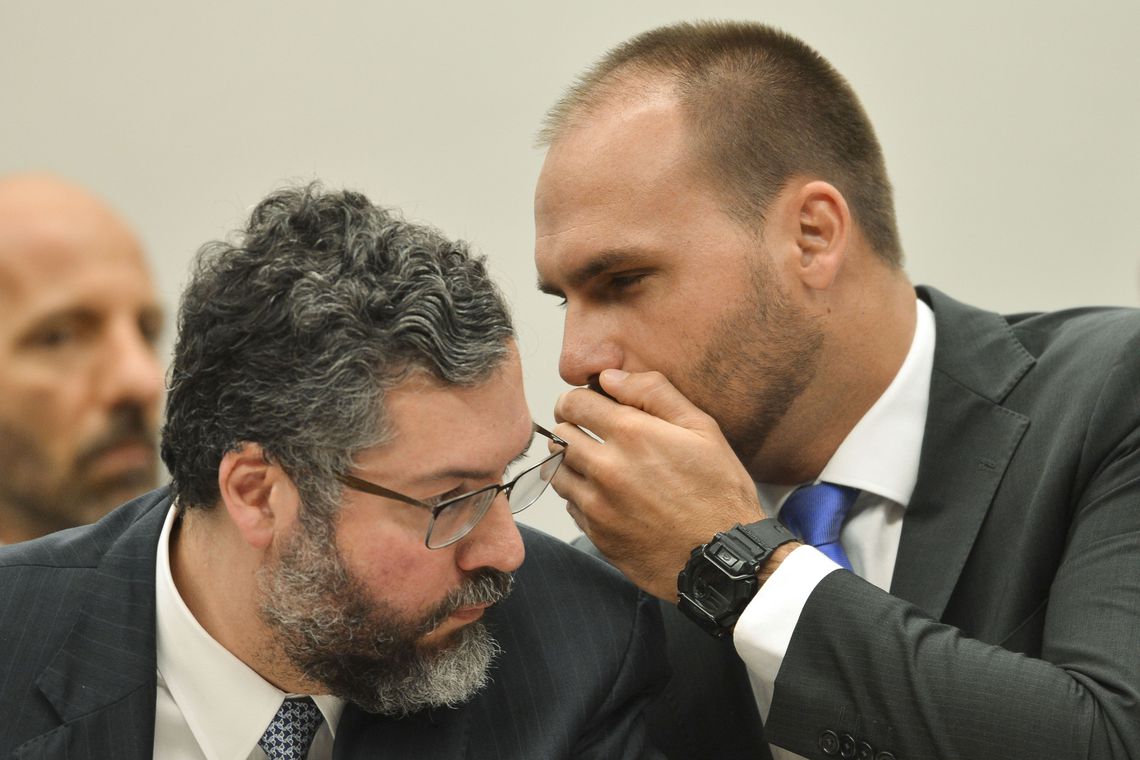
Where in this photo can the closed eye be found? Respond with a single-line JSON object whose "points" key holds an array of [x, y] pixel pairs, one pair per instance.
{"points": [[459, 490], [620, 283], [507, 471], [627, 280]]}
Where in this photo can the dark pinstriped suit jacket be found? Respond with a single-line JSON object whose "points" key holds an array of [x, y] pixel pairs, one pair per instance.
{"points": [[1012, 629], [77, 656]]}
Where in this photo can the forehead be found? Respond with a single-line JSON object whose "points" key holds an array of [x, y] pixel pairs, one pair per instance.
{"points": [[623, 180], [53, 259], [621, 148], [448, 428]]}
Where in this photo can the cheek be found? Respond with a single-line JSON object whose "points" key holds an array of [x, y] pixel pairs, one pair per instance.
{"points": [[47, 409], [666, 342], [394, 566]]}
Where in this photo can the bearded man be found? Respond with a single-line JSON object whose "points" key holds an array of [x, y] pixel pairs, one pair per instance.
{"points": [[80, 379], [327, 575]]}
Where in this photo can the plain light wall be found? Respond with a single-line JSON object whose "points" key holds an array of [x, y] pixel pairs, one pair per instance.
{"points": [[1009, 128]]}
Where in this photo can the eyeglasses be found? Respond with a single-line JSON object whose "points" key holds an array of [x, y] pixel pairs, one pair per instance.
{"points": [[454, 518]]}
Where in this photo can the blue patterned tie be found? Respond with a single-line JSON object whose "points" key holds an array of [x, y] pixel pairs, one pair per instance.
{"points": [[292, 729], [816, 513]]}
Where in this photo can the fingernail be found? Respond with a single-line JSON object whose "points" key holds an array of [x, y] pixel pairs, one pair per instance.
{"points": [[615, 375]]}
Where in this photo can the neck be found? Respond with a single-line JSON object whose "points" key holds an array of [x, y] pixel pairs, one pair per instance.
{"points": [[215, 573], [868, 325]]}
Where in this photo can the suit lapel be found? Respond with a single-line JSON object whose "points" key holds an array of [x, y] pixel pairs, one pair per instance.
{"points": [[431, 733], [967, 446], [102, 681]]}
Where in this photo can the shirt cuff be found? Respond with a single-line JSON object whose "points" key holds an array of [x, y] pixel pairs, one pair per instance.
{"points": [[764, 630]]}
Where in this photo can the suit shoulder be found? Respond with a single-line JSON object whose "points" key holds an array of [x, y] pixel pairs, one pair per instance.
{"points": [[1091, 333], [567, 598], [556, 564]]}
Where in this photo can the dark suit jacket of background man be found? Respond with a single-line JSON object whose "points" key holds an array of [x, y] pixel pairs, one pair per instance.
{"points": [[1023, 533], [77, 656]]}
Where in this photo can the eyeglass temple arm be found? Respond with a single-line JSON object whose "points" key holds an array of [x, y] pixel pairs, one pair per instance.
{"points": [[543, 431], [372, 488]]}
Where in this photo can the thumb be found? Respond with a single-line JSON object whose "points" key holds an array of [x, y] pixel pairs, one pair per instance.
{"points": [[652, 393]]}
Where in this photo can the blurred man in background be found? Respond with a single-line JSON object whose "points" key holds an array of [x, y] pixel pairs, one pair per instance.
{"points": [[80, 378]]}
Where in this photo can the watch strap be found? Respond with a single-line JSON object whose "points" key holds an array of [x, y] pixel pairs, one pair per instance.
{"points": [[768, 534]]}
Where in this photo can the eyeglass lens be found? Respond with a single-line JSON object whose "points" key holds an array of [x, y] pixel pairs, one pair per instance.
{"points": [[457, 519]]}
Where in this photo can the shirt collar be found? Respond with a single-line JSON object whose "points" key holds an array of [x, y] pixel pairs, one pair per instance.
{"points": [[225, 704], [881, 453]]}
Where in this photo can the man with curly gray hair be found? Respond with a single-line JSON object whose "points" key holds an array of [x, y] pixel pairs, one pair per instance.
{"points": [[328, 572]]}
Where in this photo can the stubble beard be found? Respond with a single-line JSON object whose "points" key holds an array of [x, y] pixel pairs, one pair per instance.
{"points": [[362, 650], [761, 358]]}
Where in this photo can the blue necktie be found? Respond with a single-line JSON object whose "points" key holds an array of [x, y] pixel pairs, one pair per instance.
{"points": [[292, 729], [816, 513]]}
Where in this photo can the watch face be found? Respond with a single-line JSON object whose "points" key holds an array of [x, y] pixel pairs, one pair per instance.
{"points": [[711, 588]]}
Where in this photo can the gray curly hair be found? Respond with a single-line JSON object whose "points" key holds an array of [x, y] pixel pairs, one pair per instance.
{"points": [[291, 336]]}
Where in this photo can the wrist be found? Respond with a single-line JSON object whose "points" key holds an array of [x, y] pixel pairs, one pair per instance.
{"points": [[778, 556], [722, 576]]}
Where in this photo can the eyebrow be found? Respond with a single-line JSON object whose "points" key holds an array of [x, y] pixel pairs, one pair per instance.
{"points": [[68, 315], [602, 262], [461, 474], [86, 315]]}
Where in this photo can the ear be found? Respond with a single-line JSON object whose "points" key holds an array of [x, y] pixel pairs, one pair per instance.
{"points": [[821, 229], [258, 496]]}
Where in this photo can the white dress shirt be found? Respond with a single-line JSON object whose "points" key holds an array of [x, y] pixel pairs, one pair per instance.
{"points": [[880, 457], [211, 705]]}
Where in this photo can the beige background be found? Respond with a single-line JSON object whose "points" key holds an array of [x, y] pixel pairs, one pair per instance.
{"points": [[1010, 128]]}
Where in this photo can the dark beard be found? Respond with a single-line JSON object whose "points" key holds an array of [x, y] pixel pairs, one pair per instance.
{"points": [[362, 650], [51, 499]]}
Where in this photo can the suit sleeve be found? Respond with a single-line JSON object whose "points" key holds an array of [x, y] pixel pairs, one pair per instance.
{"points": [[619, 728], [865, 665]]}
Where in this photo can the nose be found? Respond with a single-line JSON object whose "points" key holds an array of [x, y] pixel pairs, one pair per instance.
{"points": [[131, 372], [495, 542], [587, 348]]}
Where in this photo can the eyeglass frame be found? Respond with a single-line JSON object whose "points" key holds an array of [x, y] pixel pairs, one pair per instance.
{"points": [[364, 486]]}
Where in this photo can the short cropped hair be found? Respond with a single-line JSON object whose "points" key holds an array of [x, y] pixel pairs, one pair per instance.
{"points": [[763, 107], [290, 336]]}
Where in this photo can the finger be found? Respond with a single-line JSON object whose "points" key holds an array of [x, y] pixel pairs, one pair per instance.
{"points": [[652, 393], [583, 451], [570, 485], [578, 517], [574, 436], [584, 408]]}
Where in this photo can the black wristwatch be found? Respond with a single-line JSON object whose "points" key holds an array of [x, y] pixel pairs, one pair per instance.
{"points": [[720, 577]]}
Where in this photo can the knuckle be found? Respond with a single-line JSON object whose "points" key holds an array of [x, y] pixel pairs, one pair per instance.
{"points": [[655, 379], [624, 426], [570, 401]]}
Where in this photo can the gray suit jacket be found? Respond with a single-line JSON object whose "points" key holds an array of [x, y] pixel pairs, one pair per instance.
{"points": [[1012, 629], [77, 656]]}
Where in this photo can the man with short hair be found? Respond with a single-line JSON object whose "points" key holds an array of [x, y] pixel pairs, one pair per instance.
{"points": [[80, 380], [955, 568], [328, 574]]}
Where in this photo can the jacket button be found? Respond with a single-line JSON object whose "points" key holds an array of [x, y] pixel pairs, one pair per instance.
{"points": [[847, 746], [884, 756], [829, 743], [864, 751]]}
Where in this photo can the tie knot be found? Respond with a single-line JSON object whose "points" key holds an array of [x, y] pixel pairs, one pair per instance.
{"points": [[292, 729], [816, 513]]}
